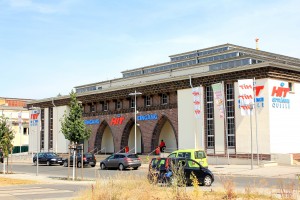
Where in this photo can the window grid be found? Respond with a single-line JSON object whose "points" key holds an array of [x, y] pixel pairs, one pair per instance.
{"points": [[105, 105], [148, 101], [50, 144], [230, 115], [42, 134], [210, 131], [132, 102], [119, 105], [92, 108], [164, 99]]}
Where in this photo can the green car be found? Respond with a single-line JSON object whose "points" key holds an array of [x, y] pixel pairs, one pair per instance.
{"points": [[195, 154]]}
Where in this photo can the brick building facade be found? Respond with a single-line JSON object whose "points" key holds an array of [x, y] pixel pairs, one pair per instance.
{"points": [[108, 100]]}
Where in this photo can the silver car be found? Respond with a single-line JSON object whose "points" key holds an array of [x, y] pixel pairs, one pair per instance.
{"points": [[121, 161]]}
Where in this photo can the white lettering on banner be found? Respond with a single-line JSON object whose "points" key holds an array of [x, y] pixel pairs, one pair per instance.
{"points": [[196, 101], [246, 95]]}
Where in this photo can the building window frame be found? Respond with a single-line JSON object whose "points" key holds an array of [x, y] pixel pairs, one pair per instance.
{"points": [[105, 106], [210, 128], [148, 100], [230, 119], [164, 99], [118, 105], [132, 102], [92, 108]]}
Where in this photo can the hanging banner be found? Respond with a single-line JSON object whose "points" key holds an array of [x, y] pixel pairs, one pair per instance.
{"points": [[218, 95], [196, 101], [34, 118], [246, 96]]}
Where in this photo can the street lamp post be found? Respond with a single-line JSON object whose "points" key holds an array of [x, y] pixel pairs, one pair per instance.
{"points": [[251, 108], [134, 94]]}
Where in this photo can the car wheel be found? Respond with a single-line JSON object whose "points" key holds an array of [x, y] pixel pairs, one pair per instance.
{"points": [[102, 166], [207, 181], [48, 163], [93, 165], [65, 164], [34, 163], [79, 164], [121, 167], [135, 168]]}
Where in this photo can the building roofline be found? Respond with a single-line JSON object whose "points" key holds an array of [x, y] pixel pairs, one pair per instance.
{"points": [[176, 78]]}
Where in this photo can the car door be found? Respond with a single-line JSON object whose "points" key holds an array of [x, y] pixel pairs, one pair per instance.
{"points": [[193, 167], [42, 158], [110, 161]]}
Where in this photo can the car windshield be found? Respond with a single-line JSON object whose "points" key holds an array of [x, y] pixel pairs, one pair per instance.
{"points": [[199, 154], [184, 154], [52, 154]]}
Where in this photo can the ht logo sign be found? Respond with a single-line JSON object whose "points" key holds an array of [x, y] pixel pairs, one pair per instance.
{"points": [[279, 99]]}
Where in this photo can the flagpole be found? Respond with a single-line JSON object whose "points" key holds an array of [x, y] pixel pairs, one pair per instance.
{"points": [[225, 122]]}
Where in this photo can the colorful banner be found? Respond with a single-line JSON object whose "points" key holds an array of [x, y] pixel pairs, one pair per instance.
{"points": [[246, 96], [34, 118], [196, 101], [219, 99]]}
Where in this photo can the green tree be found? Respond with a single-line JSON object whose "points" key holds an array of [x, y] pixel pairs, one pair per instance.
{"points": [[72, 124], [6, 137]]}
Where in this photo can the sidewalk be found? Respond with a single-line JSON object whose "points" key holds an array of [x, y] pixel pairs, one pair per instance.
{"points": [[280, 171]]}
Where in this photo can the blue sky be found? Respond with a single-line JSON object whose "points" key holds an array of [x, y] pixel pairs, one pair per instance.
{"points": [[49, 46]]}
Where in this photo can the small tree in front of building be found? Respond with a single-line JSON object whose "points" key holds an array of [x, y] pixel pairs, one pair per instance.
{"points": [[6, 138], [72, 124]]}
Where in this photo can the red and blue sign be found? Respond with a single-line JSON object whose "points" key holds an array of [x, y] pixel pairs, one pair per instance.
{"points": [[34, 118], [279, 97]]}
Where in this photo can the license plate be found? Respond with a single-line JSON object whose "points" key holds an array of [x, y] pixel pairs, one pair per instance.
{"points": [[91, 163]]}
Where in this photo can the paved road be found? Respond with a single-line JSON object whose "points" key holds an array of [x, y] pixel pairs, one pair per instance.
{"points": [[41, 191], [53, 188], [60, 171]]}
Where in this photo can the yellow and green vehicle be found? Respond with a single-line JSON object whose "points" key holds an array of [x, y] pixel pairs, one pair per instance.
{"points": [[196, 154]]}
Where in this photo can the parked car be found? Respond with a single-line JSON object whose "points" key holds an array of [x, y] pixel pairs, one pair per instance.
{"points": [[159, 167], [121, 161], [48, 158], [88, 159], [195, 154]]}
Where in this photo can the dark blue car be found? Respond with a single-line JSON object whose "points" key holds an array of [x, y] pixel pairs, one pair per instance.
{"points": [[48, 158]]}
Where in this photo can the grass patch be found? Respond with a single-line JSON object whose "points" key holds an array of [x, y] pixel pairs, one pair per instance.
{"points": [[135, 187], [11, 181]]}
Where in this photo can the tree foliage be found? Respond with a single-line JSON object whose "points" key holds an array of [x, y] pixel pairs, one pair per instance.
{"points": [[72, 124], [6, 136]]}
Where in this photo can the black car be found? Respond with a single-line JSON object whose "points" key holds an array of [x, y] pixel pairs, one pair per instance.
{"points": [[88, 159], [160, 167], [48, 158]]}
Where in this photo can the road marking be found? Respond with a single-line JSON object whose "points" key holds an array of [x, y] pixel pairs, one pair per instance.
{"points": [[30, 191]]}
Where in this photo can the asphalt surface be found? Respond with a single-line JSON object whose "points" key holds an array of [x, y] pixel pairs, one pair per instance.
{"points": [[55, 188]]}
